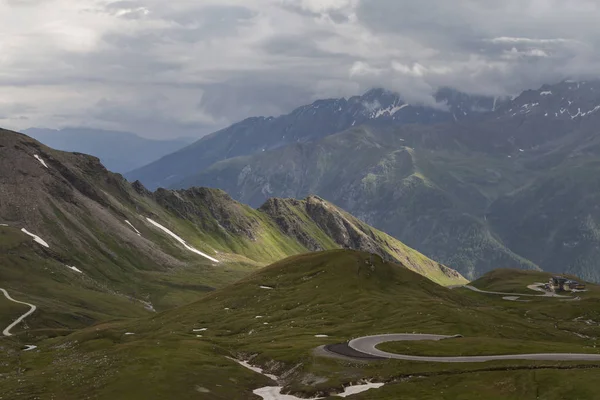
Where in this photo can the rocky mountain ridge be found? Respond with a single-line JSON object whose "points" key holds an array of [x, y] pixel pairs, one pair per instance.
{"points": [[473, 193], [308, 123], [104, 247]]}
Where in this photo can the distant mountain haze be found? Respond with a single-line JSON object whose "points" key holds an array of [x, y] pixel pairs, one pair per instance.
{"points": [[511, 184], [120, 152], [377, 107]]}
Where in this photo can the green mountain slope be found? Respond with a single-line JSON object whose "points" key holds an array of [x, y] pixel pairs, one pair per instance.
{"points": [[273, 318], [512, 188], [104, 250], [434, 200], [555, 221]]}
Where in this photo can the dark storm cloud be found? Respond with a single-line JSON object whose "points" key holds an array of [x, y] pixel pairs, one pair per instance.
{"points": [[170, 68]]}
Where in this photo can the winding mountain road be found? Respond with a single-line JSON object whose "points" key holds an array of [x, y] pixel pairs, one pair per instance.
{"points": [[6, 331], [535, 287], [368, 345]]}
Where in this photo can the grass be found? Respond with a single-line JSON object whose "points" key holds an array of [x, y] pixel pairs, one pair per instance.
{"points": [[481, 346], [81, 210], [547, 384], [512, 280], [337, 293]]}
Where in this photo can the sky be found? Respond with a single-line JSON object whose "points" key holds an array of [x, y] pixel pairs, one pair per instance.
{"points": [[166, 69]]}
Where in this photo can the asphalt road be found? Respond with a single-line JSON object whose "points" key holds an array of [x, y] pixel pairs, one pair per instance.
{"points": [[367, 345], [546, 294], [365, 348], [6, 331]]}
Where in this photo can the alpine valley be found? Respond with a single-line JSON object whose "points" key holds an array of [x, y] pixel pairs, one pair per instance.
{"points": [[476, 183], [116, 289]]}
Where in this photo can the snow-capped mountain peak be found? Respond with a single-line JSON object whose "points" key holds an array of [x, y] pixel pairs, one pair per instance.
{"points": [[567, 100]]}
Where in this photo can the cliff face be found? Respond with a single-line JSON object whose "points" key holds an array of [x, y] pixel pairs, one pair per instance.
{"points": [[296, 217]]}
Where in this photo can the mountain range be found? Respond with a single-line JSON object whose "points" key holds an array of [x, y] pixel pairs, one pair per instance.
{"points": [[119, 151], [476, 184], [377, 107], [88, 245], [105, 284]]}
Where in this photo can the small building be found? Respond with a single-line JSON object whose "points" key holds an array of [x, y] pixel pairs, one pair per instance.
{"points": [[574, 285], [558, 283], [561, 284]]}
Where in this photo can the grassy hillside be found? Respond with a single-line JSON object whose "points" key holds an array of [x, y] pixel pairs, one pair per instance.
{"points": [[316, 219], [506, 193], [338, 293], [404, 182], [123, 264]]}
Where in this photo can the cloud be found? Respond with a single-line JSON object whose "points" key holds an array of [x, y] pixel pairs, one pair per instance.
{"points": [[529, 41], [180, 67]]}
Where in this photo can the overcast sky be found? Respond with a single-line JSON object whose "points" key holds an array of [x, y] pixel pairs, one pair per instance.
{"points": [[187, 67]]}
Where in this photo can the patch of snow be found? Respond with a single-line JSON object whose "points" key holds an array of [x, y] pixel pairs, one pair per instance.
{"points": [[521, 150], [136, 231], [36, 238], [200, 330], [258, 370], [198, 336], [180, 240], [321, 336], [258, 316], [3, 225], [40, 160], [266, 287], [591, 111], [148, 305], [129, 333], [74, 269], [546, 93], [351, 390], [274, 393], [391, 110], [29, 347]]}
